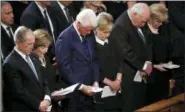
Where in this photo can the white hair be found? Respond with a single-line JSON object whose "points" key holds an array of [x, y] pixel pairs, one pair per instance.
{"points": [[139, 8], [87, 17]]}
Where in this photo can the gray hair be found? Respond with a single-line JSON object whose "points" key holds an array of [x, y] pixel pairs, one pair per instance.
{"points": [[87, 17], [139, 8], [20, 33]]}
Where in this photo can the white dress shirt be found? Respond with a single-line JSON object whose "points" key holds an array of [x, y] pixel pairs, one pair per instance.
{"points": [[74, 24], [101, 42], [50, 22]]}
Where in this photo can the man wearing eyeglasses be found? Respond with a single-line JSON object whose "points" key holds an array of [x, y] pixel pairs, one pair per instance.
{"points": [[75, 56]]}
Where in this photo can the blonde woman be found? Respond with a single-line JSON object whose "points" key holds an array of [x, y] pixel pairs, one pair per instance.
{"points": [[42, 41], [159, 32], [110, 75]]}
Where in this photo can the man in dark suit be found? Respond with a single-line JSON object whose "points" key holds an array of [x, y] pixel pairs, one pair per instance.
{"points": [[37, 16], [24, 87], [7, 28], [75, 56], [65, 14], [135, 52]]}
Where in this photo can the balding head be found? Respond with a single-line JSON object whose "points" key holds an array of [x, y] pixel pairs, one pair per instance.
{"points": [[140, 14]]}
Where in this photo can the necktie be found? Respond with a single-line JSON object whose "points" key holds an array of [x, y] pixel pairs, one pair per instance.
{"points": [[85, 45], [9, 32], [105, 44], [47, 22], [68, 15], [142, 36], [31, 66]]}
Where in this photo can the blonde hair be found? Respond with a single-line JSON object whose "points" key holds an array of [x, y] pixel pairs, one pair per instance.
{"points": [[42, 38], [159, 12], [104, 21]]}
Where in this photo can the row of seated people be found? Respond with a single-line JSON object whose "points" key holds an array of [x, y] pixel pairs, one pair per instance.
{"points": [[81, 60]]}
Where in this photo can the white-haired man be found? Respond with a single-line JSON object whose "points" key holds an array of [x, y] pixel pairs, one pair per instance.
{"points": [[135, 52], [75, 56]]}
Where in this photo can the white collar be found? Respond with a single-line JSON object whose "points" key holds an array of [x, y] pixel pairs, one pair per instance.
{"points": [[61, 5], [74, 24], [20, 53], [4, 26], [41, 9], [101, 41], [128, 12]]}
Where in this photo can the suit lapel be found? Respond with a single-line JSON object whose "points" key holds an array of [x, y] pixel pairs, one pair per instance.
{"points": [[89, 46], [61, 13], [78, 44], [6, 37], [134, 32], [25, 67], [37, 67]]}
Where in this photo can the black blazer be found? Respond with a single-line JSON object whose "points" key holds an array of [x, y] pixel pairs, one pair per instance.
{"points": [[133, 51], [21, 90], [33, 19], [6, 41], [133, 54], [108, 61], [60, 16]]}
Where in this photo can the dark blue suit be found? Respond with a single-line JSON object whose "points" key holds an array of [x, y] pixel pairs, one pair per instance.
{"points": [[77, 62]]}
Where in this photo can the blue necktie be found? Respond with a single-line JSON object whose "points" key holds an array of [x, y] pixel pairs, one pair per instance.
{"points": [[31, 66]]}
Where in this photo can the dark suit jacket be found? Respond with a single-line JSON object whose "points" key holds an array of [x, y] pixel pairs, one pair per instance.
{"points": [[21, 90], [133, 54], [7, 43], [133, 50], [61, 20], [73, 61], [108, 61], [176, 14], [33, 18]]}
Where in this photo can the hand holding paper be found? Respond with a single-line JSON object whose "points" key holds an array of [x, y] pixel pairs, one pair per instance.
{"points": [[87, 90], [65, 91], [107, 92]]}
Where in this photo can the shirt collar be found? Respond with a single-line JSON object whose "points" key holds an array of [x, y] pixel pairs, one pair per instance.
{"points": [[20, 53], [128, 12], [61, 5], [101, 41], [4, 26], [74, 24]]}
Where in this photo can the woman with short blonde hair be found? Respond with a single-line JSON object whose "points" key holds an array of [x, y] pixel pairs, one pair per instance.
{"points": [[159, 13], [104, 21], [42, 42], [108, 64], [158, 31], [104, 25], [42, 38]]}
